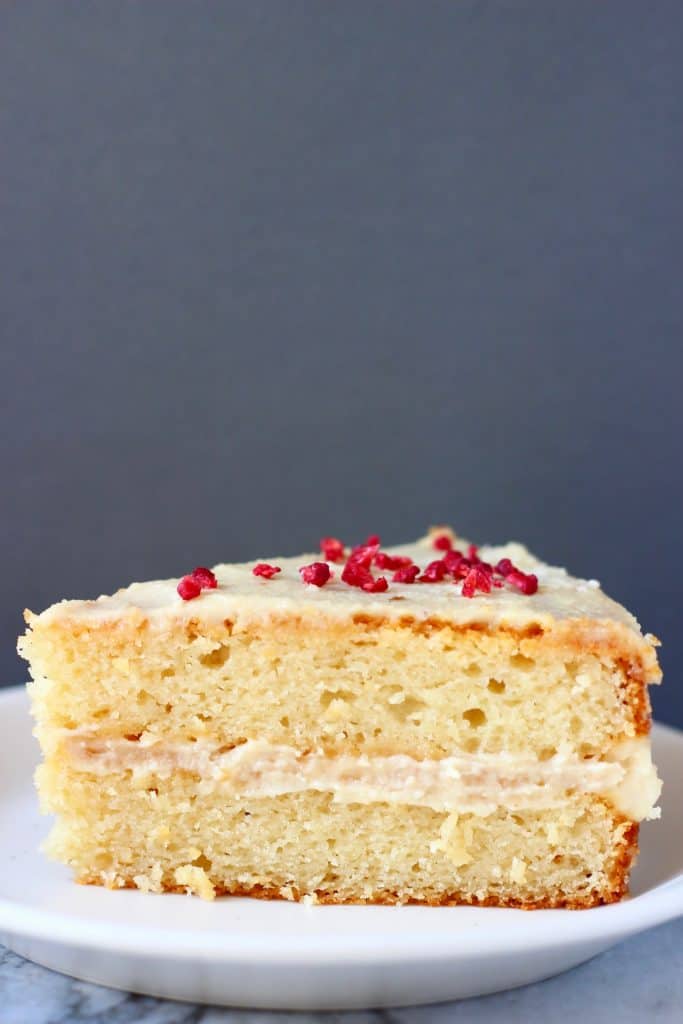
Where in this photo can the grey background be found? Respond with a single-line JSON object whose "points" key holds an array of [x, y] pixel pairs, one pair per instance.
{"points": [[274, 269]]}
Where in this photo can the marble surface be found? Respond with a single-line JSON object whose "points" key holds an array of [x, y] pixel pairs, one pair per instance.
{"points": [[639, 980]]}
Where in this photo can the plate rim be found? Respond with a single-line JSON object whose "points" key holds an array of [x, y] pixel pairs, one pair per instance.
{"points": [[542, 929]]}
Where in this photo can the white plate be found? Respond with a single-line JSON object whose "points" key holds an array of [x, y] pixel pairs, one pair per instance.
{"points": [[244, 952]]}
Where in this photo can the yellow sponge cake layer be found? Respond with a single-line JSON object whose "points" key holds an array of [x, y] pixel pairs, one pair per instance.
{"points": [[168, 834], [370, 686]]}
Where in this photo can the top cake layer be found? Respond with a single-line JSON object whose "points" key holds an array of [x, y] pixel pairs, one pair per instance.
{"points": [[420, 669], [562, 602]]}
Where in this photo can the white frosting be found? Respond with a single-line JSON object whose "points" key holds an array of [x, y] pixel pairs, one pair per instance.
{"points": [[461, 782], [638, 792], [243, 598]]}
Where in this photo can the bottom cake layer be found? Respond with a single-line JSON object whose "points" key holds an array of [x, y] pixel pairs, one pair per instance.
{"points": [[166, 834]]}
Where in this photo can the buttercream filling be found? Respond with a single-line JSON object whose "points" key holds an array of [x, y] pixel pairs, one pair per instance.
{"points": [[475, 783]]}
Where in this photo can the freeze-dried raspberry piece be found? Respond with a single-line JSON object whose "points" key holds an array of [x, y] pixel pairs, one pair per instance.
{"points": [[526, 582], [364, 555], [377, 586], [332, 549], [476, 579], [318, 573], [355, 574], [205, 577], [434, 572], [391, 562], [442, 542], [189, 588], [406, 574], [265, 570]]}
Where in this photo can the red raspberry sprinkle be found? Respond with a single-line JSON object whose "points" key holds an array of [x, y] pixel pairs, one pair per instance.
{"points": [[372, 540], [189, 587], [205, 578], [476, 579], [364, 555], [332, 549], [265, 570], [442, 542], [318, 573], [406, 574], [505, 567], [434, 572], [472, 553], [355, 574], [453, 560], [526, 582], [462, 569], [385, 561], [377, 586]]}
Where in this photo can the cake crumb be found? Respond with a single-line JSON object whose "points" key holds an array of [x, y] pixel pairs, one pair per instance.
{"points": [[151, 882], [553, 833], [195, 880], [454, 840], [517, 870]]}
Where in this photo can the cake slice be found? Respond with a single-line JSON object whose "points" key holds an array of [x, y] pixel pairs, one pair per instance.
{"points": [[430, 723]]}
